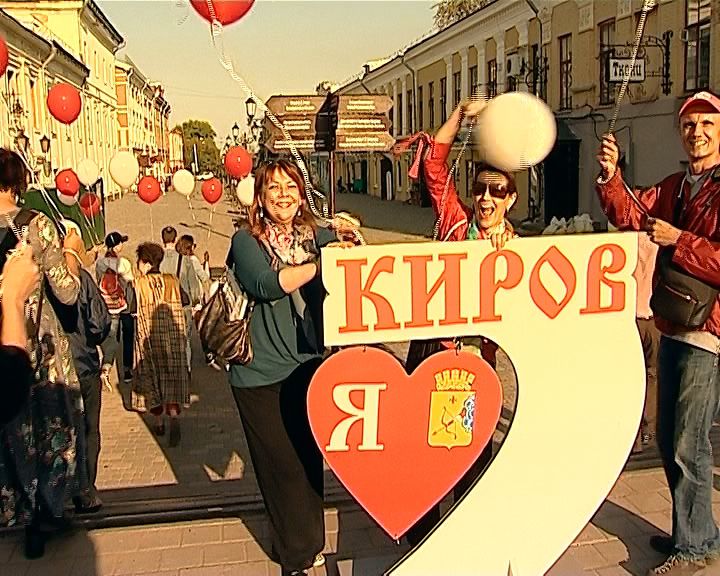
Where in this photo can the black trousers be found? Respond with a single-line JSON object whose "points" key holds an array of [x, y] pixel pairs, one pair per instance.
{"points": [[127, 330], [288, 464], [91, 390]]}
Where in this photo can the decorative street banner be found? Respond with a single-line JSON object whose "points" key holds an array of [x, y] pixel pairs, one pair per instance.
{"points": [[563, 309]]}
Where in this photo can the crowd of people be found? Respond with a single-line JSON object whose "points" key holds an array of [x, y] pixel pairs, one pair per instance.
{"points": [[62, 328]]}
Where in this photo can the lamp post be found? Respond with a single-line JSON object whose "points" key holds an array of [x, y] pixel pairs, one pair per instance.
{"points": [[254, 125]]}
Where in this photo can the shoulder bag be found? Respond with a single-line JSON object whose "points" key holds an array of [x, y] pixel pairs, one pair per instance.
{"points": [[223, 322], [680, 297]]}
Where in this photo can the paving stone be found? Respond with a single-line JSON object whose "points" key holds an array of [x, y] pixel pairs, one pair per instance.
{"points": [[202, 534], [137, 562], [224, 553], [178, 558]]}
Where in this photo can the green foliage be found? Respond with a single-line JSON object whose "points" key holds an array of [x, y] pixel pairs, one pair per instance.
{"points": [[448, 12], [200, 134]]}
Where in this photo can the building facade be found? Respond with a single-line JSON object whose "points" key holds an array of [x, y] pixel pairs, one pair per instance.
{"points": [[143, 119], [569, 54], [35, 64], [81, 28]]}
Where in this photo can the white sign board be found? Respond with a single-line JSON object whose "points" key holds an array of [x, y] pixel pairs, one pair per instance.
{"points": [[563, 309], [619, 67]]}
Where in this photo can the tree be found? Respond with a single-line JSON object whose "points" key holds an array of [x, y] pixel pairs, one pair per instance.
{"points": [[448, 12], [199, 135]]}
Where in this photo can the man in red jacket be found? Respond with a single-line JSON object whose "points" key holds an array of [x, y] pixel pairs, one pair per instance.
{"points": [[682, 215]]}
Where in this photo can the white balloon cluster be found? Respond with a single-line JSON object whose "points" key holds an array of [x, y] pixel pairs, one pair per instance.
{"points": [[245, 190], [124, 169], [516, 130], [184, 182]]}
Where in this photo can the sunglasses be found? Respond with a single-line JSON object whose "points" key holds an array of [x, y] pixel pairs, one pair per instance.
{"points": [[495, 190]]}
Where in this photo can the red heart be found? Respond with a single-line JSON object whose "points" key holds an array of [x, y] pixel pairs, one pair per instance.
{"points": [[411, 448]]}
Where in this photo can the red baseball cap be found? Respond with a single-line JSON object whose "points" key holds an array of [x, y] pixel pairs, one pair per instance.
{"points": [[704, 99]]}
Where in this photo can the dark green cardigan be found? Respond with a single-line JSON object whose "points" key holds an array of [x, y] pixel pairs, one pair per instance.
{"points": [[279, 343]]}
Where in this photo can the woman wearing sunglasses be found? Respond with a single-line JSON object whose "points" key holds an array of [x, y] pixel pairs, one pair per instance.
{"points": [[493, 194]]}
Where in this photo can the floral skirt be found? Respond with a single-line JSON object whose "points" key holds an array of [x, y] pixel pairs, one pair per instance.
{"points": [[38, 456]]}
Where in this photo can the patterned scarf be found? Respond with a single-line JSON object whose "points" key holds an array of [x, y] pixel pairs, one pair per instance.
{"points": [[291, 248]]}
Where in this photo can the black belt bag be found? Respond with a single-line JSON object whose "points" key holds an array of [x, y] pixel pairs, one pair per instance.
{"points": [[679, 297]]}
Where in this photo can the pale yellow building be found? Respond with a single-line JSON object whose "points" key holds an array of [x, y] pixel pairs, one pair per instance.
{"points": [[35, 64], [562, 52], [143, 118], [176, 150], [82, 29]]}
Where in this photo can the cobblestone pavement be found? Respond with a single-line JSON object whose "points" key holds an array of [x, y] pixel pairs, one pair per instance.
{"points": [[212, 460]]}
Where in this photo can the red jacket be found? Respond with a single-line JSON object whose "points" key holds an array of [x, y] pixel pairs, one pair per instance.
{"points": [[455, 217], [698, 248]]}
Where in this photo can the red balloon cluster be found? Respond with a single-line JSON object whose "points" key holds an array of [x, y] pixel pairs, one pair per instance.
{"points": [[89, 204], [212, 190], [149, 189], [67, 182], [63, 101], [3, 56], [238, 162], [226, 11]]}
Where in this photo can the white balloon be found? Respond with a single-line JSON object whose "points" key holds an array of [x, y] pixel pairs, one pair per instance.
{"points": [[124, 169], [515, 131], [68, 200], [184, 182], [87, 172], [246, 191]]}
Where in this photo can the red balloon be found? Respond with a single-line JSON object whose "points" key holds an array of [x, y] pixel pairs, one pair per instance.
{"points": [[89, 204], [212, 190], [149, 189], [64, 102], [67, 182], [238, 162], [226, 11], [3, 56]]}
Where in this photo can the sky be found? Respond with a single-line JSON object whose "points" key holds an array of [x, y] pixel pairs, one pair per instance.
{"points": [[279, 47]]}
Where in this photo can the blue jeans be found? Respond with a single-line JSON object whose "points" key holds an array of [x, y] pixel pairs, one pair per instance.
{"points": [[688, 393]]}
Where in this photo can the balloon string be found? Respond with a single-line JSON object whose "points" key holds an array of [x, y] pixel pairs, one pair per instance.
{"points": [[212, 212], [152, 224], [646, 7], [192, 210], [216, 30]]}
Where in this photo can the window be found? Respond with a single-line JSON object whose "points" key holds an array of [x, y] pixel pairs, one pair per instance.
{"points": [[399, 105], [607, 39], [420, 119], [409, 102], [456, 88], [431, 105], [443, 100], [492, 78], [697, 46], [565, 71], [473, 80]]}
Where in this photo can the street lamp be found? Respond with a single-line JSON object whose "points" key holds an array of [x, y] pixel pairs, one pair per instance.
{"points": [[228, 140], [45, 144], [235, 132], [22, 141], [250, 109]]}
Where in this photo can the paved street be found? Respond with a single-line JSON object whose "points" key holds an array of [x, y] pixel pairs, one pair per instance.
{"points": [[210, 475]]}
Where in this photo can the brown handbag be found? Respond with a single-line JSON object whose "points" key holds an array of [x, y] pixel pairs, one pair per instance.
{"points": [[223, 323]]}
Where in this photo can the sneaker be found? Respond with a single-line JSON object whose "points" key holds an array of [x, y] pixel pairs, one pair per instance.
{"points": [[676, 565], [87, 503], [663, 544], [319, 560]]}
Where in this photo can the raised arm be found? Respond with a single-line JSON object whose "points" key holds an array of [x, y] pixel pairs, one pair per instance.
{"points": [[259, 278], [61, 272]]}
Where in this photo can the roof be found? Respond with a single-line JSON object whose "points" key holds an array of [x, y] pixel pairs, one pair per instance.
{"points": [[113, 32]]}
